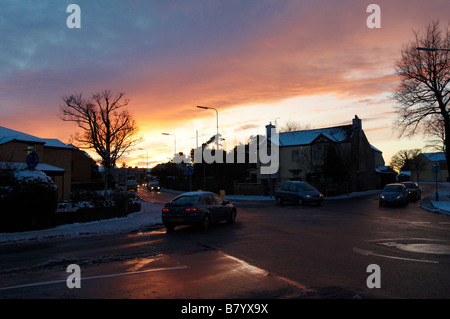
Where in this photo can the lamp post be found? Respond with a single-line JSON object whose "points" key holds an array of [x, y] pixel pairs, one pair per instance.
{"points": [[146, 171], [217, 121], [174, 141], [217, 139]]}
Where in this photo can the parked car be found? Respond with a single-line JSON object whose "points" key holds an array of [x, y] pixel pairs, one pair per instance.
{"points": [[395, 193], [197, 208], [413, 189], [298, 192]]}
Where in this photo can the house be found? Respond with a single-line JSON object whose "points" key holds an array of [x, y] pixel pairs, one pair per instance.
{"points": [[336, 159], [424, 172], [82, 166], [55, 157]]}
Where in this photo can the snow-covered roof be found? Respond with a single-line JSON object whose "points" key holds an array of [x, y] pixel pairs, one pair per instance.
{"points": [[40, 167], [53, 142], [435, 157], [375, 149], [8, 135], [335, 134], [382, 168]]}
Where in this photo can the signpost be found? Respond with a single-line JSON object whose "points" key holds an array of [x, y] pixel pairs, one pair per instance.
{"points": [[436, 168], [32, 160], [189, 172]]}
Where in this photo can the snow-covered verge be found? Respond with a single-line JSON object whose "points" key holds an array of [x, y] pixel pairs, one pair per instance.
{"points": [[440, 206], [149, 215]]}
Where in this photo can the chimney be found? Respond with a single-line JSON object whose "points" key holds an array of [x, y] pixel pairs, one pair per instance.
{"points": [[357, 123], [269, 130], [269, 137]]}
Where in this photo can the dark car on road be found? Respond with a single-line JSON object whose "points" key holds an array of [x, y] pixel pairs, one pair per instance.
{"points": [[394, 194], [298, 192], [197, 208], [413, 189]]}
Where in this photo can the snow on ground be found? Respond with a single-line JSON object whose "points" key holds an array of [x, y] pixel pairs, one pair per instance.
{"points": [[149, 215], [440, 206]]}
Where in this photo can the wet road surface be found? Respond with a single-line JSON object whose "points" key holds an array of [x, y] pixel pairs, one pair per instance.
{"points": [[272, 251]]}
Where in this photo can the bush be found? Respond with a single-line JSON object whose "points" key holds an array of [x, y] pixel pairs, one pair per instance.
{"points": [[28, 199]]}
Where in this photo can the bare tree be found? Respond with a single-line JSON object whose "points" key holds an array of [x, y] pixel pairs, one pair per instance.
{"points": [[423, 94], [436, 132], [292, 126], [106, 126], [404, 159]]}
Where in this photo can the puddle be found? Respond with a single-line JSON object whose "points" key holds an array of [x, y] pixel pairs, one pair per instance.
{"points": [[438, 249]]}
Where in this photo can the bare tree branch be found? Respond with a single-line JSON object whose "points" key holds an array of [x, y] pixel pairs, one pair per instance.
{"points": [[107, 127], [423, 93]]}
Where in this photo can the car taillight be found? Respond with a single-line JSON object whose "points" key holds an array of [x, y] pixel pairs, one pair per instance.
{"points": [[166, 210], [191, 209]]}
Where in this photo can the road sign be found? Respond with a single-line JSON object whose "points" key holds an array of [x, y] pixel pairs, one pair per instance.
{"points": [[189, 170], [436, 169], [32, 160]]}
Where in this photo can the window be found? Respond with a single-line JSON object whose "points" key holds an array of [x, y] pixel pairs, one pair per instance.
{"points": [[209, 200], [186, 199], [295, 155], [306, 187], [217, 200]]}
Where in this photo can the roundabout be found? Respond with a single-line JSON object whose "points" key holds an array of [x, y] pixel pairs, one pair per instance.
{"points": [[409, 249]]}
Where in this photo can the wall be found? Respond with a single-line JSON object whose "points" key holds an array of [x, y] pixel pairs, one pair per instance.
{"points": [[60, 157], [15, 151], [81, 167]]}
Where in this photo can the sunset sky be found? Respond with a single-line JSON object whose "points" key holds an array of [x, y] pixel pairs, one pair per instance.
{"points": [[256, 61]]}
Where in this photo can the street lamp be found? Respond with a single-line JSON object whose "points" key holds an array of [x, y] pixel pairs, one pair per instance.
{"points": [[432, 49], [146, 171], [174, 141], [217, 120]]}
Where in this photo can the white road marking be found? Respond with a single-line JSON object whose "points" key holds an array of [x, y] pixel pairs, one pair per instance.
{"points": [[370, 253], [94, 277]]}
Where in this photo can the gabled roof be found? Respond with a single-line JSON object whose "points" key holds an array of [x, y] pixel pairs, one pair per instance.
{"points": [[53, 142], [8, 135], [336, 134], [435, 157]]}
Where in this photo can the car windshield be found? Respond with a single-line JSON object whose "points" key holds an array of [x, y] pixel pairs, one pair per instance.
{"points": [[306, 187], [393, 188], [410, 185], [186, 199]]}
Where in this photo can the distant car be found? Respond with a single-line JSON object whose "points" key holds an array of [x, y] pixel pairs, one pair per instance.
{"points": [[395, 193], [132, 184], [413, 189], [153, 186], [197, 208], [298, 192]]}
